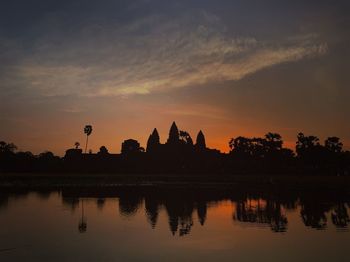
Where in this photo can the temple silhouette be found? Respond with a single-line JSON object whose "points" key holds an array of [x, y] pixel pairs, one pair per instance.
{"points": [[181, 155], [178, 154]]}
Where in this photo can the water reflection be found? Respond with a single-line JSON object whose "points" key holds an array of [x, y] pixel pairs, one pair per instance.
{"points": [[340, 217], [83, 222], [267, 212], [100, 203], [183, 206], [257, 208]]}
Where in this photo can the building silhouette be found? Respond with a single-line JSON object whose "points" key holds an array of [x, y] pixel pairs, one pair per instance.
{"points": [[256, 155]]}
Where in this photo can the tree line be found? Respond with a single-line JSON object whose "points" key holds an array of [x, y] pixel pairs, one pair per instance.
{"points": [[309, 155], [181, 155]]}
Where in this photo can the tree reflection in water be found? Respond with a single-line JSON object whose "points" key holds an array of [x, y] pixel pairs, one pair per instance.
{"points": [[182, 204], [340, 217], [314, 214], [261, 212]]}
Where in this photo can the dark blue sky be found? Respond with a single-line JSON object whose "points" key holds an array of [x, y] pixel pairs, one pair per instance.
{"points": [[228, 67]]}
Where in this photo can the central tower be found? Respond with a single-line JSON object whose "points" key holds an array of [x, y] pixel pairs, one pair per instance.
{"points": [[174, 137]]}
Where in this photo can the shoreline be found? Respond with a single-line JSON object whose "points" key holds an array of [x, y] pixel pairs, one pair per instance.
{"points": [[259, 182]]}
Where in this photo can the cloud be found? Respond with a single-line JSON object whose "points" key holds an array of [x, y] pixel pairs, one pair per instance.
{"points": [[196, 111], [153, 54]]}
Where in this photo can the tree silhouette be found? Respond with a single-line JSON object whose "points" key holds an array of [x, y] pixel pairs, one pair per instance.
{"points": [[87, 131], [46, 155], [131, 146], [305, 144], [7, 147], [185, 138], [247, 147], [2, 146], [310, 152], [273, 142], [240, 145], [333, 144], [103, 151]]}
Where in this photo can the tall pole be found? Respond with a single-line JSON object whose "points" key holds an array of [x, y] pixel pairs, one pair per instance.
{"points": [[87, 138]]}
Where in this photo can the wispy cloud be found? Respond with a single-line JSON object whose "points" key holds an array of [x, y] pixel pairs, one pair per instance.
{"points": [[196, 111], [152, 54]]}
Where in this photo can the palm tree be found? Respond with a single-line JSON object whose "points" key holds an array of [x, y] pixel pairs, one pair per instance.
{"points": [[87, 131]]}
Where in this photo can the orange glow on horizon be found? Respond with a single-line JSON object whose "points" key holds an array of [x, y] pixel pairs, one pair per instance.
{"points": [[60, 134]]}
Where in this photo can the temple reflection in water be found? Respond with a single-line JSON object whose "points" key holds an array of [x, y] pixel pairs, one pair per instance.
{"points": [[183, 205], [186, 207]]}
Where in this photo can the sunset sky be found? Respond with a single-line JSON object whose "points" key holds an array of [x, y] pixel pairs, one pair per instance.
{"points": [[226, 67]]}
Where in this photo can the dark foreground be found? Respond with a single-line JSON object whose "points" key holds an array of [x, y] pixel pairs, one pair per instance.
{"points": [[277, 182], [173, 218]]}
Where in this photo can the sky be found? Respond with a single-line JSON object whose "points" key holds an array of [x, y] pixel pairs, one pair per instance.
{"points": [[227, 67]]}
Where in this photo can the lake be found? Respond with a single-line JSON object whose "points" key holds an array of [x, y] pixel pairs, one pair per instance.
{"points": [[173, 224]]}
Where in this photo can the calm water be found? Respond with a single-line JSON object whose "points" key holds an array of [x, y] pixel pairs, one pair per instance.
{"points": [[172, 225]]}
